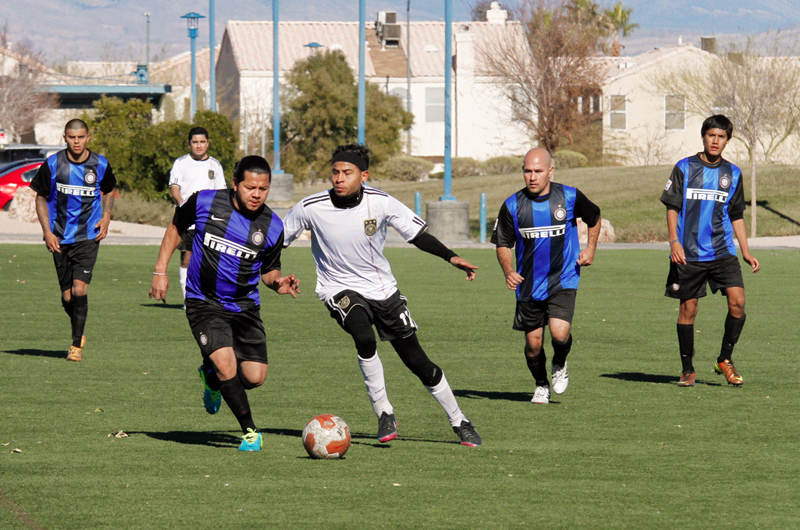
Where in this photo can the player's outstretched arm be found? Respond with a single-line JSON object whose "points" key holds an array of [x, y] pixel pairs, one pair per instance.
{"points": [[740, 231], [43, 213], [586, 256], [465, 266], [504, 258], [282, 284], [160, 283], [428, 243]]}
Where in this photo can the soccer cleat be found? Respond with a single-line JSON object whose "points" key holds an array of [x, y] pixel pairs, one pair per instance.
{"points": [[687, 379], [469, 436], [212, 399], [731, 375], [251, 441], [541, 396], [74, 354], [83, 341], [560, 378], [387, 428]]}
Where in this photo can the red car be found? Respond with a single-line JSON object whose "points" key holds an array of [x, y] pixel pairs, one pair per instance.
{"points": [[18, 176]]}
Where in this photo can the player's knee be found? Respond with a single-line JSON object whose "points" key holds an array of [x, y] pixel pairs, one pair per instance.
{"points": [[79, 288], [736, 306], [533, 350]]}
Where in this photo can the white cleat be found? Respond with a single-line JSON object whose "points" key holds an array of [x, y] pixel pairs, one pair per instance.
{"points": [[560, 378], [541, 396]]}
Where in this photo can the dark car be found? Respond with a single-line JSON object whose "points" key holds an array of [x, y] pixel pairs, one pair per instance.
{"points": [[16, 177]]}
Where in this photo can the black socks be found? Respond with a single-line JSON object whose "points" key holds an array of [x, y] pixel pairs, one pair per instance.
{"points": [[560, 351], [80, 310], [733, 329], [537, 365], [686, 345], [234, 395]]}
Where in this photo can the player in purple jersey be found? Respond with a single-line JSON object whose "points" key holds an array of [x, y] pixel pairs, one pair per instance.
{"points": [[705, 211], [74, 197]]}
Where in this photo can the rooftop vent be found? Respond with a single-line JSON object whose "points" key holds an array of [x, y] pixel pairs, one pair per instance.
{"points": [[708, 44], [387, 29]]}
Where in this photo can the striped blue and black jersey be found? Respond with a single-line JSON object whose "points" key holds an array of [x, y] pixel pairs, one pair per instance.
{"points": [[74, 194], [231, 249], [543, 230], [708, 198]]}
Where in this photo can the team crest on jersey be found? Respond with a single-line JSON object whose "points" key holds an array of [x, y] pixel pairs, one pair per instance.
{"points": [[258, 238], [210, 174], [344, 302], [370, 227], [725, 181], [203, 339], [560, 214], [90, 177]]}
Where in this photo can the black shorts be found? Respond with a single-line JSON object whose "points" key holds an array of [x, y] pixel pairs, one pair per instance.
{"points": [[390, 317], [75, 262], [536, 314], [214, 328], [686, 282], [186, 241]]}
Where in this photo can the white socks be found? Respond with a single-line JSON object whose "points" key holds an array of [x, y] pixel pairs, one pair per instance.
{"points": [[183, 273], [372, 369], [444, 395]]}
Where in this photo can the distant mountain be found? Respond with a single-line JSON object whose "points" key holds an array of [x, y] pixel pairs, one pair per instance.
{"points": [[115, 29]]}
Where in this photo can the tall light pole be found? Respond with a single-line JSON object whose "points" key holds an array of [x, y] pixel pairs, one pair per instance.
{"points": [[408, 71], [193, 21], [362, 87], [276, 96], [212, 81], [448, 74], [147, 53]]}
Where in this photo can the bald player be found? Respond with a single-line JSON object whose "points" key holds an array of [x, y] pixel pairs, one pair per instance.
{"points": [[540, 223]]}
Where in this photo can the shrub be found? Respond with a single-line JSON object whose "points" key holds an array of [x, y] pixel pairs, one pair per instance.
{"points": [[406, 168], [133, 207], [502, 165], [465, 167], [567, 159]]}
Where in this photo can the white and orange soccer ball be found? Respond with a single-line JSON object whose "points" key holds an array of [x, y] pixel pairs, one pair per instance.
{"points": [[326, 436]]}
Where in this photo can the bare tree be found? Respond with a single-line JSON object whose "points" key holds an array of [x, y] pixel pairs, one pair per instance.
{"points": [[756, 85], [546, 69], [22, 101]]}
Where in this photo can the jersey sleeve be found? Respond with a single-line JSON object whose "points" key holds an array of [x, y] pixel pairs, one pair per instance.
{"points": [[504, 233], [588, 211], [109, 180], [737, 206], [219, 176], [175, 174], [271, 260], [42, 180], [672, 196], [401, 218], [186, 214], [294, 223]]}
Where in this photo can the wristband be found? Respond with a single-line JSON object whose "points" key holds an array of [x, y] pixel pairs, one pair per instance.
{"points": [[673, 242], [159, 274]]}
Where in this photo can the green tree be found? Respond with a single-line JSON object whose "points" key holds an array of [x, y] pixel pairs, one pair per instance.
{"points": [[618, 19], [321, 105]]}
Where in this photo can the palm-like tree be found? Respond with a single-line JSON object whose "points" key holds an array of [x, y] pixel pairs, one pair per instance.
{"points": [[618, 20]]}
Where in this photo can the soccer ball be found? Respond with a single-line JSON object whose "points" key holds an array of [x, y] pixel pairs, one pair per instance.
{"points": [[326, 436]]}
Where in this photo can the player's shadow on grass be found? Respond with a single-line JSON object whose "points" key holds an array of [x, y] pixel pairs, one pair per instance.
{"points": [[163, 306], [483, 394], [639, 377], [214, 439], [56, 354]]}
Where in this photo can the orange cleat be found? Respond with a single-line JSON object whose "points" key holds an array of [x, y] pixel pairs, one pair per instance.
{"points": [[74, 354], [687, 379], [731, 375]]}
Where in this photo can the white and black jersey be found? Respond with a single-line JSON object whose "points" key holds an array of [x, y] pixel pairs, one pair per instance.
{"points": [[347, 242], [192, 175]]}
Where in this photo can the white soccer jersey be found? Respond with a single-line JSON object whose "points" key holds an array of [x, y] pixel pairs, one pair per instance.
{"points": [[192, 175], [347, 243]]}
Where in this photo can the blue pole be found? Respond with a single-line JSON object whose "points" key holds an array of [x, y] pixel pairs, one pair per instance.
{"points": [[418, 204], [276, 94], [448, 74], [212, 81], [483, 218], [362, 88], [193, 104]]}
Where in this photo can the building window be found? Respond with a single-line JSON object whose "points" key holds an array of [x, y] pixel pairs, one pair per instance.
{"points": [[401, 94], [618, 112], [434, 104], [674, 113]]}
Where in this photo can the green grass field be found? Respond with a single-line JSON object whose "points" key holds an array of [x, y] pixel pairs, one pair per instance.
{"points": [[623, 448], [627, 196]]}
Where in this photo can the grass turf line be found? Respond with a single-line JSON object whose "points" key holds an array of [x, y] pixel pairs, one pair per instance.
{"points": [[624, 447]]}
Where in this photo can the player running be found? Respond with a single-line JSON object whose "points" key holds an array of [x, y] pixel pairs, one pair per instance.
{"points": [[705, 204], [237, 239], [73, 203], [355, 281], [540, 221], [191, 173]]}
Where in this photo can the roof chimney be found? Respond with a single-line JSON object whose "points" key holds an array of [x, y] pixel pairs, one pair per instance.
{"points": [[708, 44], [496, 14]]}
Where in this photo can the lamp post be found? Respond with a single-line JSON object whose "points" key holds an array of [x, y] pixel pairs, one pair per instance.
{"points": [[193, 22], [276, 96], [448, 74], [212, 75], [362, 87]]}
